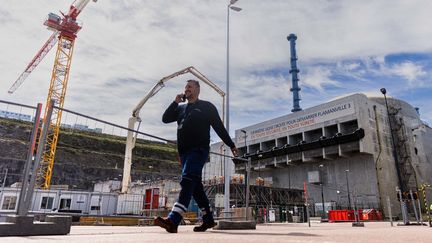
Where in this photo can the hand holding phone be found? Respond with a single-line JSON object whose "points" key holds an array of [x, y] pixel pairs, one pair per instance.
{"points": [[180, 98]]}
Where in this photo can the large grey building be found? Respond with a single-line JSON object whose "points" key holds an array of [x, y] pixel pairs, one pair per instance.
{"points": [[340, 146]]}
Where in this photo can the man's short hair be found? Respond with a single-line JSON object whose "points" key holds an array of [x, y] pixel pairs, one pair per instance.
{"points": [[194, 81]]}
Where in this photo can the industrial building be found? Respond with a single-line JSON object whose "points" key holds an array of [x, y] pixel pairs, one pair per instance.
{"points": [[340, 148]]}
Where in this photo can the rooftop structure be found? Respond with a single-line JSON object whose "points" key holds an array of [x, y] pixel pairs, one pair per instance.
{"points": [[14, 115]]}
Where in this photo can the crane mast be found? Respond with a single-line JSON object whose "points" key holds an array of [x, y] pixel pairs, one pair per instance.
{"points": [[65, 32], [56, 93]]}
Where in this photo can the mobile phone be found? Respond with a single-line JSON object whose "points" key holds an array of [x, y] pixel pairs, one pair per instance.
{"points": [[183, 98]]}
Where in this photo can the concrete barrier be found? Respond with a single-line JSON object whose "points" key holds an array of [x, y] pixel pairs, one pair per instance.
{"points": [[26, 226]]}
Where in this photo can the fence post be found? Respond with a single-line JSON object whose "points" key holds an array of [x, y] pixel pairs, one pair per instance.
{"points": [[414, 206], [389, 211], [27, 191], [40, 148]]}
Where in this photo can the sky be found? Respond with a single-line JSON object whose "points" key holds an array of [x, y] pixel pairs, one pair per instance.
{"points": [[125, 47]]}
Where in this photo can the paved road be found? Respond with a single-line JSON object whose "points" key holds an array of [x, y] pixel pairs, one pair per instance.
{"points": [[278, 232]]}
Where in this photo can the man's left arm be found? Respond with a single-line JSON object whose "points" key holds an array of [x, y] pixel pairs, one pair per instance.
{"points": [[218, 126]]}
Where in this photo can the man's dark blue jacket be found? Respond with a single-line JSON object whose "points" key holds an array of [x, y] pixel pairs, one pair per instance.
{"points": [[194, 121]]}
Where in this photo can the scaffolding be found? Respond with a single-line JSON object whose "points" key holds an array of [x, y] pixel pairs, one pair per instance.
{"points": [[260, 196], [403, 153]]}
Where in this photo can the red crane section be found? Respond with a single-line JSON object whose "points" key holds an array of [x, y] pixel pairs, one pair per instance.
{"points": [[66, 26]]}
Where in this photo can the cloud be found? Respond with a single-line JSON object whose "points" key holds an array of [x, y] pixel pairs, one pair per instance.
{"points": [[319, 78], [350, 67], [409, 71], [125, 47]]}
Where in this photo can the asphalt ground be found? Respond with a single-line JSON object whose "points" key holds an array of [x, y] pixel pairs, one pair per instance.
{"points": [[275, 232]]}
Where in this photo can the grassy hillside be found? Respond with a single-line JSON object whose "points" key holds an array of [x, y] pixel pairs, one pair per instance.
{"points": [[84, 157]]}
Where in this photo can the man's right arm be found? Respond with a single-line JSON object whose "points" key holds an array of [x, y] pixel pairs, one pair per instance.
{"points": [[171, 113]]}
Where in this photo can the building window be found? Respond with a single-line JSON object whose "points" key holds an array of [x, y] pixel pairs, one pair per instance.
{"points": [[95, 208], [47, 203], [65, 203], [9, 202]]}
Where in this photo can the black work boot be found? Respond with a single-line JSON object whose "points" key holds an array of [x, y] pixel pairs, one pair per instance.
{"points": [[167, 224], [205, 226]]}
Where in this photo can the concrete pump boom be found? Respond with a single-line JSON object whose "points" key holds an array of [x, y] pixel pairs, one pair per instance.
{"points": [[131, 138]]}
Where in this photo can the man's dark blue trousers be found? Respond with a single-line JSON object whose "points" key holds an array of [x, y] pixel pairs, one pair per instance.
{"points": [[192, 163]]}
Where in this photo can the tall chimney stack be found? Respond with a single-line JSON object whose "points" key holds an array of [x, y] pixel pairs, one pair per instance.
{"points": [[294, 71]]}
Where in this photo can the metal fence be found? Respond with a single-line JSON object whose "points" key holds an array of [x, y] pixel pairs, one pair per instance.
{"points": [[88, 168]]}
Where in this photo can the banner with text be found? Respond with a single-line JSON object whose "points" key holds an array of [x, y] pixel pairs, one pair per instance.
{"points": [[330, 113]]}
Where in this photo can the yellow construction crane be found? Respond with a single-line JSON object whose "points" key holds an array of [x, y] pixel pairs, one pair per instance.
{"points": [[65, 32]]}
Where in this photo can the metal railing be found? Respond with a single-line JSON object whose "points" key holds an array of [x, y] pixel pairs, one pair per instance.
{"points": [[89, 150]]}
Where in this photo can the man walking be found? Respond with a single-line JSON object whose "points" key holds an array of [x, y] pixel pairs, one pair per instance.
{"points": [[193, 138]]}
